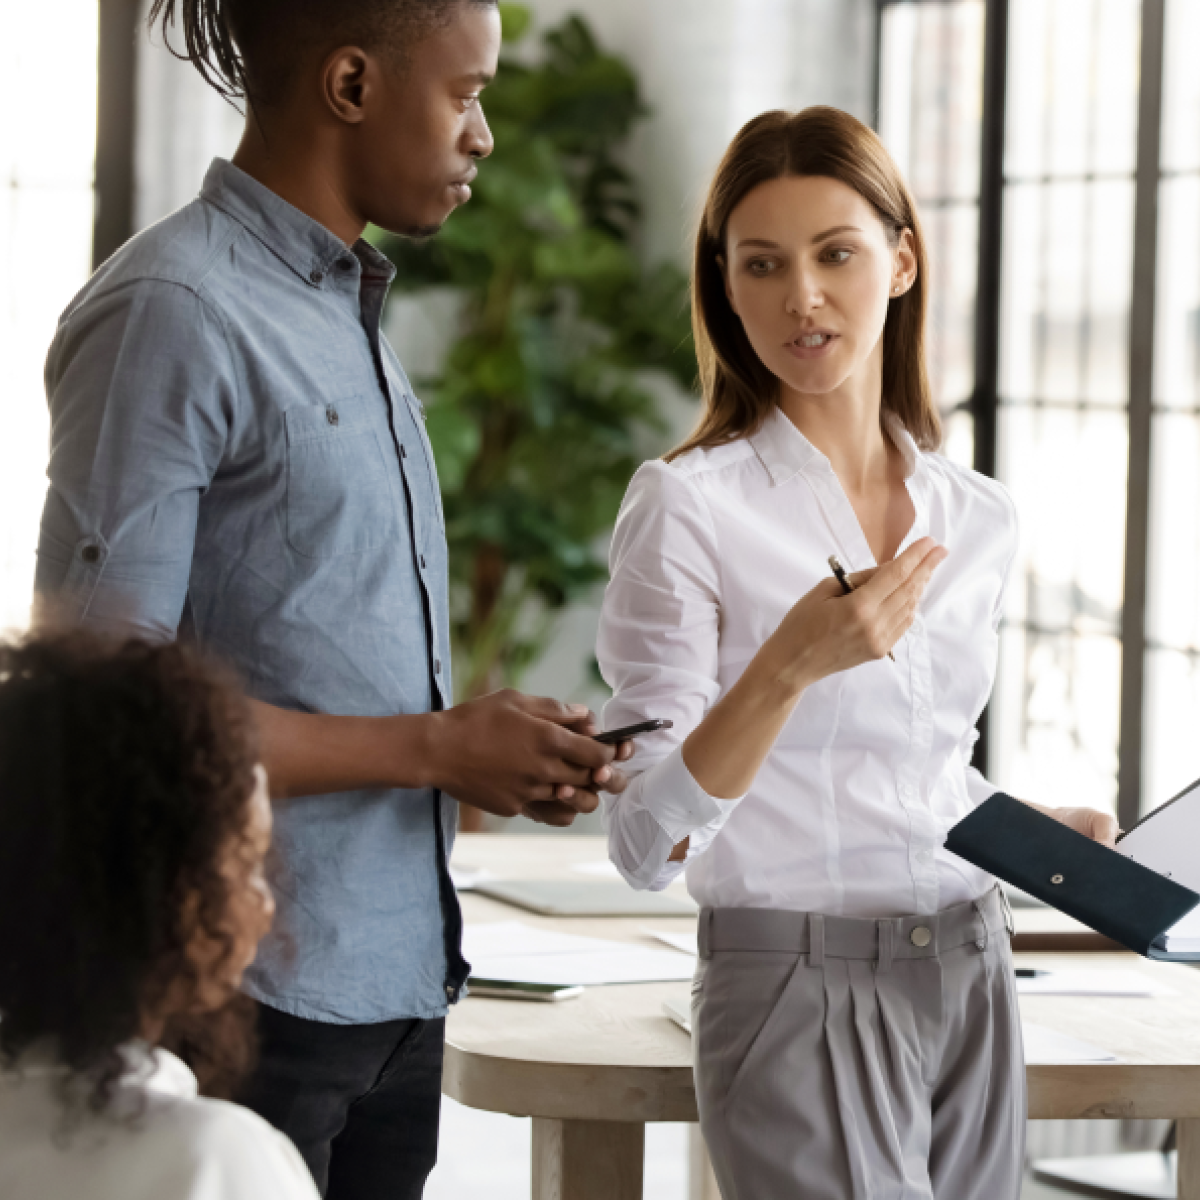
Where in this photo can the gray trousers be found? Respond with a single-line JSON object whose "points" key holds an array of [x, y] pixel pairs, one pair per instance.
{"points": [[844, 1058]]}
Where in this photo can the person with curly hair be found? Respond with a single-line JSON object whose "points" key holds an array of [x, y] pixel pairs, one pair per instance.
{"points": [[134, 824]]}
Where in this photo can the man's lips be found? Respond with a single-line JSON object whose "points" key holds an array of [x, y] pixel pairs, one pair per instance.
{"points": [[463, 186], [814, 344]]}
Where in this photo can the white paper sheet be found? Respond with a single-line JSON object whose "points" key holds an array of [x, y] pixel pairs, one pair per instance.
{"points": [[466, 878], [1166, 841], [681, 941], [634, 964], [1048, 1047], [505, 939], [604, 869], [1093, 983]]}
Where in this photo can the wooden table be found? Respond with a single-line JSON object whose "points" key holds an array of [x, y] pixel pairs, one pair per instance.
{"points": [[591, 1072]]}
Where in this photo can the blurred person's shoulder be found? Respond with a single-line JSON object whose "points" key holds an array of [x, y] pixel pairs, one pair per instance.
{"points": [[159, 1140]]}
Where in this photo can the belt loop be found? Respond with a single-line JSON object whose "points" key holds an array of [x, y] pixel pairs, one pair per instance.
{"points": [[816, 940], [885, 932], [1010, 924], [981, 943], [704, 933]]}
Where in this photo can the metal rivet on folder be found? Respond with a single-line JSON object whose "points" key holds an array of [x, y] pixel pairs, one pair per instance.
{"points": [[1056, 879]]}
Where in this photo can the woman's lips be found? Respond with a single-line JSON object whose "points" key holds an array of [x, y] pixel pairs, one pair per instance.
{"points": [[811, 345]]}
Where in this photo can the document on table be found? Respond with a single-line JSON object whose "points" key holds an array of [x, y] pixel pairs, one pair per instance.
{"points": [[681, 941], [513, 952], [1168, 841], [1046, 1047], [1093, 983]]}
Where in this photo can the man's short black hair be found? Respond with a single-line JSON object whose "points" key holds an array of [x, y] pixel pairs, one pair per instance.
{"points": [[249, 49]]}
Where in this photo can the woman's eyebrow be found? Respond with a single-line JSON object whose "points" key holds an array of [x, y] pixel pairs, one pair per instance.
{"points": [[820, 237]]}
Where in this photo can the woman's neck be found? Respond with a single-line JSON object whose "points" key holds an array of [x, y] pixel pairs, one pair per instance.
{"points": [[845, 426]]}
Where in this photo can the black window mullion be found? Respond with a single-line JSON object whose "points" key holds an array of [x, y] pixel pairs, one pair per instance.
{"points": [[115, 119], [1141, 380], [985, 397]]}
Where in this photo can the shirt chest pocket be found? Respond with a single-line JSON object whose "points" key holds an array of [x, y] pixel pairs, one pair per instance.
{"points": [[340, 494]]}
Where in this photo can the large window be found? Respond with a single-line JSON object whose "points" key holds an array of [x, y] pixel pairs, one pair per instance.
{"points": [[46, 210], [1031, 131]]}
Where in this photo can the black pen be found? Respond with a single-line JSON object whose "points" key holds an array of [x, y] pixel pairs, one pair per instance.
{"points": [[839, 573]]}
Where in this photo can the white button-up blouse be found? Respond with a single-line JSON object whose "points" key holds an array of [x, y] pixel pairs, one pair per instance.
{"points": [[850, 809]]}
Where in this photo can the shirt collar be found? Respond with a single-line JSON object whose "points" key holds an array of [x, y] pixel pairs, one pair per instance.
{"points": [[784, 451], [146, 1066], [298, 241]]}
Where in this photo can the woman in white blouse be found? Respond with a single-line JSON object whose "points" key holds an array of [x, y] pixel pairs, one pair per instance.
{"points": [[133, 826], [856, 1031]]}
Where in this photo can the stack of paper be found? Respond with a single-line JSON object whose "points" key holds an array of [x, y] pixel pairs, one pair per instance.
{"points": [[513, 952], [1166, 842]]}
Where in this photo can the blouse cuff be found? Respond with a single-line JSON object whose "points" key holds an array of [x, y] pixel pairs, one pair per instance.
{"points": [[678, 803]]}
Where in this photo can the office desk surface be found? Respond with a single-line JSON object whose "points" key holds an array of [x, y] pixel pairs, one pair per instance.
{"points": [[612, 1056]]}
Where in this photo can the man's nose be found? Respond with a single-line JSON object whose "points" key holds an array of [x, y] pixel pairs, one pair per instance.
{"points": [[480, 142]]}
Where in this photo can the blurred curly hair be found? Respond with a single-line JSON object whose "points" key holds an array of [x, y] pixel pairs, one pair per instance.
{"points": [[125, 774]]}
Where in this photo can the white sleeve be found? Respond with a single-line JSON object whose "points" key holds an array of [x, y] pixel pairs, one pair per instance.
{"points": [[657, 650]]}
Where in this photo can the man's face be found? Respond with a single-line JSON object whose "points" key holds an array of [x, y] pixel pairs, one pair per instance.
{"points": [[424, 127]]}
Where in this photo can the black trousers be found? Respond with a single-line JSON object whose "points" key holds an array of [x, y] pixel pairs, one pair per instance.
{"points": [[361, 1102]]}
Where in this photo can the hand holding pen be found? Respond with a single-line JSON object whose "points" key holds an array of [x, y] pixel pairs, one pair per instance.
{"points": [[839, 573]]}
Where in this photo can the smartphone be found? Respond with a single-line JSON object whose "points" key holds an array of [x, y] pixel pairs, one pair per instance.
{"points": [[613, 736], [505, 989]]}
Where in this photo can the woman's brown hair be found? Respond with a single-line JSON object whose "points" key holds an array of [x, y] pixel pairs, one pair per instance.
{"points": [[738, 390]]}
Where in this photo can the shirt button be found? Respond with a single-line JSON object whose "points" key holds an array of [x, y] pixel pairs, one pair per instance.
{"points": [[922, 711], [403, 452], [920, 937], [422, 562], [331, 415], [90, 554], [437, 666], [906, 792], [316, 274], [346, 264]]}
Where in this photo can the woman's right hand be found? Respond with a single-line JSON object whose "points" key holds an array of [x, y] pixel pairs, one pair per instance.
{"points": [[827, 631]]}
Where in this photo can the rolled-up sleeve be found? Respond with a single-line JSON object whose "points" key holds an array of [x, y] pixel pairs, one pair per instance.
{"points": [[658, 651], [142, 394]]}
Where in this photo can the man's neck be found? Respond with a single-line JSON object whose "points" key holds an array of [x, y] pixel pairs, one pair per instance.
{"points": [[302, 171]]}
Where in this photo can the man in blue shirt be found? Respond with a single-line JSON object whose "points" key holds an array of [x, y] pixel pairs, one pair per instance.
{"points": [[237, 457]]}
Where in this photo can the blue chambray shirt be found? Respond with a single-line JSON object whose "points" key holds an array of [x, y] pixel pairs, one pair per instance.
{"points": [[237, 457]]}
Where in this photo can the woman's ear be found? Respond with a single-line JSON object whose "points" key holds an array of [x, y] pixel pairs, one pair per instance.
{"points": [[725, 279], [904, 263]]}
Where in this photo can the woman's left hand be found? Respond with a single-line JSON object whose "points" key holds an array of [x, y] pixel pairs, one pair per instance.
{"points": [[1091, 822]]}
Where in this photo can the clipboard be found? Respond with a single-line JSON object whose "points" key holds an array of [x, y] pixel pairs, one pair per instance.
{"points": [[1106, 890]]}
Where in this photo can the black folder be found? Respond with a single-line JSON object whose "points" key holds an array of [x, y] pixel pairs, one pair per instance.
{"points": [[1105, 890]]}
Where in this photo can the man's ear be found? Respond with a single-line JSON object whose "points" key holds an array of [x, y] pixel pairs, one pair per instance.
{"points": [[725, 277], [346, 82]]}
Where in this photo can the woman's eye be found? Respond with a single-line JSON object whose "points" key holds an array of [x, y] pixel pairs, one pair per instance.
{"points": [[837, 255], [760, 266], [469, 100]]}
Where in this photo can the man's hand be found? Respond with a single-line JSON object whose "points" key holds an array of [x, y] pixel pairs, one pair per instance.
{"points": [[511, 754], [560, 811]]}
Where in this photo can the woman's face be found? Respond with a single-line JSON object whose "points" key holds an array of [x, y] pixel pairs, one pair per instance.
{"points": [[219, 962], [810, 271]]}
